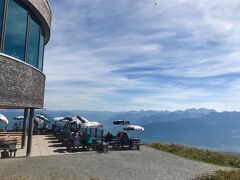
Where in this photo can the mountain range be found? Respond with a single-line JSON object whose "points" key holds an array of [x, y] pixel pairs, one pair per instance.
{"points": [[205, 128]]}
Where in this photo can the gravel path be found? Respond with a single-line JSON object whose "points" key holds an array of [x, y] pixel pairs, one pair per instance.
{"points": [[145, 164]]}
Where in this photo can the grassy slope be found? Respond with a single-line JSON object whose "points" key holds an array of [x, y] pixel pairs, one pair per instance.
{"points": [[205, 156], [200, 155]]}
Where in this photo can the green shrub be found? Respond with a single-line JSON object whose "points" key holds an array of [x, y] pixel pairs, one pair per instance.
{"points": [[220, 175]]}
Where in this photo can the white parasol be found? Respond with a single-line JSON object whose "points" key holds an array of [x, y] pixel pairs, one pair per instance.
{"points": [[120, 122], [59, 118], [133, 128], [3, 119], [41, 118], [92, 124], [89, 124], [19, 118], [75, 120]]}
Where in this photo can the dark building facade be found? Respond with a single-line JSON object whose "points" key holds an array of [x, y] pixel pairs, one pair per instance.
{"points": [[24, 31]]}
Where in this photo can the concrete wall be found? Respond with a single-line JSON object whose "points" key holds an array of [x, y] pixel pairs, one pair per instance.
{"points": [[21, 85]]}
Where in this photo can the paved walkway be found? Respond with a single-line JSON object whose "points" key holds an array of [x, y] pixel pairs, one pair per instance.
{"points": [[148, 163], [42, 145]]}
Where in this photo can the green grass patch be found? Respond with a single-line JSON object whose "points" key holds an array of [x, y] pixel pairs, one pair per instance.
{"points": [[220, 175], [199, 154]]}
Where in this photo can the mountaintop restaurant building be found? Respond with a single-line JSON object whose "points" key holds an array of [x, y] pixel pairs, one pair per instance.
{"points": [[24, 31]]}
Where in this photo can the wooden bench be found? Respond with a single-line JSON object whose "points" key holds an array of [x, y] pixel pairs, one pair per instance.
{"points": [[10, 133], [132, 144], [69, 145], [11, 136]]}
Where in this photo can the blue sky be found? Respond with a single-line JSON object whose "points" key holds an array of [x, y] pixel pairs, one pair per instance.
{"points": [[132, 55]]}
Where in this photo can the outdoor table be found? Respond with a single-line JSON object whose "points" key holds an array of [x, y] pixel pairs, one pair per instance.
{"points": [[102, 147], [115, 144], [113, 141]]}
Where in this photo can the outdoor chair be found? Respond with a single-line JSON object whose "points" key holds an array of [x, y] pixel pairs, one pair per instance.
{"points": [[3, 146], [12, 149], [134, 144], [102, 148]]}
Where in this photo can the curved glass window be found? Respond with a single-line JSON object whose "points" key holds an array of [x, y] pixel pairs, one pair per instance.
{"points": [[2, 2], [41, 53], [15, 30], [21, 35], [34, 33]]}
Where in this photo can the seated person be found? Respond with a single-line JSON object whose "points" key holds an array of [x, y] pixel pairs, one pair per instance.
{"points": [[83, 138], [76, 141], [45, 128], [70, 136], [109, 137], [36, 126], [88, 139], [15, 127], [119, 134], [124, 138], [54, 127], [60, 129]]}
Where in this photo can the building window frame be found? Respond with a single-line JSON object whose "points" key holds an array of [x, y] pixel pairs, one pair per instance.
{"points": [[18, 50], [30, 15], [33, 18], [3, 30]]}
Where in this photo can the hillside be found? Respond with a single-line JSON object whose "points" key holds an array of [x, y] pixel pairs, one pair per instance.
{"points": [[195, 127]]}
